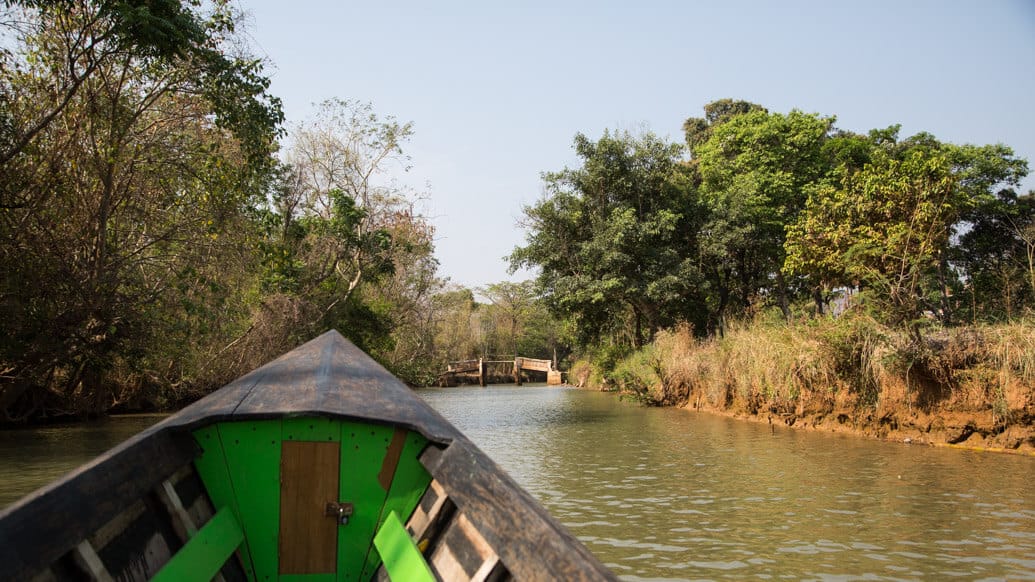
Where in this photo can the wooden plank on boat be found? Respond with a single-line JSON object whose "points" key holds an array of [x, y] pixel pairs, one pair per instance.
{"points": [[391, 460], [45, 576], [87, 559], [400, 556], [490, 571], [463, 554], [309, 481], [117, 525], [38, 530], [181, 520], [427, 511], [205, 554], [531, 544]]}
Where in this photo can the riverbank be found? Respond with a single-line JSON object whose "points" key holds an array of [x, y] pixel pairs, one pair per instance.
{"points": [[970, 387], [965, 431]]}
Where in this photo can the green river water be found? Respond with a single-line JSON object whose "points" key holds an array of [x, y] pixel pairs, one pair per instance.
{"points": [[664, 494]]}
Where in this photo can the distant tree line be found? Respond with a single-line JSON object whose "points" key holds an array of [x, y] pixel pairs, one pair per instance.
{"points": [[763, 210]]}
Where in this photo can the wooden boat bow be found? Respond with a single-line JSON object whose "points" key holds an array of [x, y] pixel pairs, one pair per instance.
{"points": [[247, 457]]}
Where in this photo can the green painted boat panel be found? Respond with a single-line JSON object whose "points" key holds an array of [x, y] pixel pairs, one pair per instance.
{"points": [[204, 555], [311, 429], [408, 485], [402, 559], [240, 467], [212, 469], [362, 453], [252, 451]]}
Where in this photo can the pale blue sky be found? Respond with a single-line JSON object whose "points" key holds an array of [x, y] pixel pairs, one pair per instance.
{"points": [[497, 90]]}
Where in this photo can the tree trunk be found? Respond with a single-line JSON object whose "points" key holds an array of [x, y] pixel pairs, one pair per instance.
{"points": [[638, 340], [943, 284], [817, 297], [781, 296]]}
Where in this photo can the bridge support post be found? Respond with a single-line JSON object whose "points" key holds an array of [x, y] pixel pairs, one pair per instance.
{"points": [[481, 372], [517, 370]]}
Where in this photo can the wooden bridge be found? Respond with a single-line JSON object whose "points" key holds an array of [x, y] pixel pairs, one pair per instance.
{"points": [[516, 367]]}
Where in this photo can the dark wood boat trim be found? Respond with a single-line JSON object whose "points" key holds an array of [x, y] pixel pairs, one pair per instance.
{"points": [[327, 377], [39, 529], [528, 540]]}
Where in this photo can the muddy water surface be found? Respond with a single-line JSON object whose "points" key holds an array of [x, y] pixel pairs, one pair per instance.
{"points": [[663, 494]]}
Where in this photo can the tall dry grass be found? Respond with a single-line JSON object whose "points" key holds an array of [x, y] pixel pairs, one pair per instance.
{"points": [[831, 364], [777, 366], [988, 366]]}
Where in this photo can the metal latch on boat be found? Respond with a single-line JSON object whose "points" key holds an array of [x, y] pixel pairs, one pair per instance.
{"points": [[339, 511]]}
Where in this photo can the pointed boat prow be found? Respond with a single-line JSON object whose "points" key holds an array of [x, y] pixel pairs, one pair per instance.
{"points": [[318, 466]]}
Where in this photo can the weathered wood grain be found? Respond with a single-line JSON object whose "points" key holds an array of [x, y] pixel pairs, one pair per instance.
{"points": [[308, 481], [328, 377], [529, 542], [40, 528]]}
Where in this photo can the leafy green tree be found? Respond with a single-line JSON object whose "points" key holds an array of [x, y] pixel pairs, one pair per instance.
{"points": [[896, 214], [886, 226], [456, 336], [997, 256], [340, 159], [756, 170], [120, 196], [511, 307], [342, 244], [699, 129], [610, 238], [162, 34], [407, 297]]}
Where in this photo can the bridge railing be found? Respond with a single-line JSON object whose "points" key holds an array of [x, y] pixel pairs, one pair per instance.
{"points": [[534, 364], [518, 364], [463, 366]]}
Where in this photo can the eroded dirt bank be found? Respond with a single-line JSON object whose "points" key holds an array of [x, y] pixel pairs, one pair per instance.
{"points": [[971, 387], [976, 430]]}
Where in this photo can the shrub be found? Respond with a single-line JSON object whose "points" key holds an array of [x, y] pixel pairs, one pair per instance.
{"points": [[640, 373]]}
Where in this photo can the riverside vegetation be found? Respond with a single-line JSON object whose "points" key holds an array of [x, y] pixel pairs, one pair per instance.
{"points": [[162, 233], [969, 385], [163, 230], [795, 272]]}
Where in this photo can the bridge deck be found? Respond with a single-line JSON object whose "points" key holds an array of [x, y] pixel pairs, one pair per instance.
{"points": [[519, 364]]}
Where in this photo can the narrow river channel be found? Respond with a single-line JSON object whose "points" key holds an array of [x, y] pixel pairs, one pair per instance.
{"points": [[663, 494]]}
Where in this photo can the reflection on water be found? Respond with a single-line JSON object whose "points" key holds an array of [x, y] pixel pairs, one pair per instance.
{"points": [[662, 494], [33, 457]]}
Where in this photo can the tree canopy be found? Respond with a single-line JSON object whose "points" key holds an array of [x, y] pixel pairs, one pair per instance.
{"points": [[783, 211], [607, 236]]}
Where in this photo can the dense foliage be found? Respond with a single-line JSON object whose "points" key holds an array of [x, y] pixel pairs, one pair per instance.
{"points": [[160, 236], [133, 144], [765, 210], [607, 238]]}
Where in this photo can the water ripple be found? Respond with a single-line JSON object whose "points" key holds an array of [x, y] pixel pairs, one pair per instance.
{"points": [[661, 494]]}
